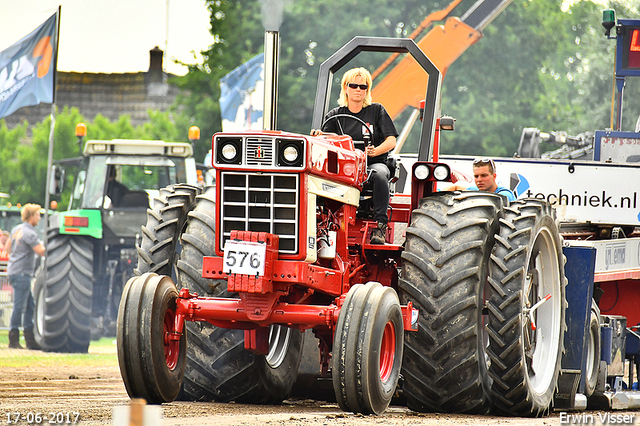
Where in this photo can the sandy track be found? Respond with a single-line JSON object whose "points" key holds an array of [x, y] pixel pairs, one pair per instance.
{"points": [[93, 392]]}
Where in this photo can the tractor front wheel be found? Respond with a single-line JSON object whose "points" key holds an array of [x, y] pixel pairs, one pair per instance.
{"points": [[151, 362], [367, 349]]}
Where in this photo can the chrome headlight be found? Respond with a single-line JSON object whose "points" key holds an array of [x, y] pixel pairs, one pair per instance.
{"points": [[441, 172], [229, 151], [290, 152], [421, 172]]}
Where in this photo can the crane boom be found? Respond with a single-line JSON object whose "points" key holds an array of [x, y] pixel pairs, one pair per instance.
{"points": [[443, 44]]}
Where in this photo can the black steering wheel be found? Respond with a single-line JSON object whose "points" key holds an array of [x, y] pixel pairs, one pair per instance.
{"points": [[353, 117]]}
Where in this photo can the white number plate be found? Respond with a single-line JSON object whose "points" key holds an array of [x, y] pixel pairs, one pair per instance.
{"points": [[244, 258]]}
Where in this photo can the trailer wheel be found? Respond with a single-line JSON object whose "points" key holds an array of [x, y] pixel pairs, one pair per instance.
{"points": [[367, 349], [526, 347], [218, 366], [63, 302], [159, 246], [152, 365], [444, 269], [593, 351]]}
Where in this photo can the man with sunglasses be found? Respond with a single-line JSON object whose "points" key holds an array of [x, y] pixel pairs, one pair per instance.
{"points": [[355, 100], [484, 175]]}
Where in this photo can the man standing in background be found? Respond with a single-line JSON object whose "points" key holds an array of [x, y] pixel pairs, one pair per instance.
{"points": [[22, 245]]}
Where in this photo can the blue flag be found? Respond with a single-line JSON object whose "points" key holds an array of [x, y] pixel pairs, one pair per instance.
{"points": [[242, 96], [27, 69]]}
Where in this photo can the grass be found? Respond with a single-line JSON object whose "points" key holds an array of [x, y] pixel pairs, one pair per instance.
{"points": [[101, 353]]}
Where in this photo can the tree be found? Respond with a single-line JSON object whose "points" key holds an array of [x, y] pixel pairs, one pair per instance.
{"points": [[311, 31], [24, 160], [237, 33], [537, 57], [10, 147], [537, 65], [24, 165]]}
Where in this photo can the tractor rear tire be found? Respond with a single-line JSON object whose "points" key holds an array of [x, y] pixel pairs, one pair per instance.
{"points": [[367, 349], [527, 265], [444, 270], [63, 303], [159, 246], [151, 365], [594, 343], [218, 366]]}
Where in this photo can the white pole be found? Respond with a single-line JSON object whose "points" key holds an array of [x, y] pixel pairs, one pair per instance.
{"points": [[47, 196]]}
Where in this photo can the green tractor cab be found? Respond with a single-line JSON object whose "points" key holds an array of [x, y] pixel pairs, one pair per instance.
{"points": [[91, 248]]}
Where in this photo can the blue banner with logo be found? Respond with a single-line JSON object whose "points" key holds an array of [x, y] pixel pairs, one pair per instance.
{"points": [[27, 69], [242, 96]]}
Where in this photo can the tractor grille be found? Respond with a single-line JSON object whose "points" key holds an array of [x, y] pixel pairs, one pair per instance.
{"points": [[259, 151], [261, 203]]}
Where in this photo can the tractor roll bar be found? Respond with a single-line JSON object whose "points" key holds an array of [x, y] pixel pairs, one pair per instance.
{"points": [[381, 44]]}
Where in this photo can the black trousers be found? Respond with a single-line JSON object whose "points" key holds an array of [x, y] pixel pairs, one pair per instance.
{"points": [[380, 184]]}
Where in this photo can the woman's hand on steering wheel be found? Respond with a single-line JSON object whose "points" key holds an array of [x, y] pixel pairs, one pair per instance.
{"points": [[352, 117]]}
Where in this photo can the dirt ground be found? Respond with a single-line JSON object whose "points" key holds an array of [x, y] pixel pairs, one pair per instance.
{"points": [[94, 392]]}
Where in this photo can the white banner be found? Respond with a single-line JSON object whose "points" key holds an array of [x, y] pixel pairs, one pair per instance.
{"points": [[581, 191]]}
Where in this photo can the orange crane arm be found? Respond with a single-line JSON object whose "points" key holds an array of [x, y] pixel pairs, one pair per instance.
{"points": [[443, 45], [438, 15], [405, 85]]}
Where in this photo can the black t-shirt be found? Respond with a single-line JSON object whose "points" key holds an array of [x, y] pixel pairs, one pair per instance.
{"points": [[374, 115]]}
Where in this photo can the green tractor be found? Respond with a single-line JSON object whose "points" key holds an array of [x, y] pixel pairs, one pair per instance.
{"points": [[91, 248]]}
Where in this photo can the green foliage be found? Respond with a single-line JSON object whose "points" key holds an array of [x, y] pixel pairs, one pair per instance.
{"points": [[306, 46], [536, 66], [535, 56], [10, 147], [24, 160], [238, 37], [311, 32], [24, 166]]}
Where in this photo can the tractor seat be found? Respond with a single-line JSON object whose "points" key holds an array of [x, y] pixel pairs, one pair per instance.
{"points": [[135, 199]]}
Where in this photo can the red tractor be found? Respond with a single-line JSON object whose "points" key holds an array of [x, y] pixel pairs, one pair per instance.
{"points": [[280, 245]]}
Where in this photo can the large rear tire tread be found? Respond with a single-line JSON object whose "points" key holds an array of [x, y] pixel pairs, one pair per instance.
{"points": [[527, 261], [146, 313], [63, 303], [218, 366], [444, 270], [165, 222]]}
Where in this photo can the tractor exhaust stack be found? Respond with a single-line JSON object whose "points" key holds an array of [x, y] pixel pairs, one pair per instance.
{"points": [[271, 60]]}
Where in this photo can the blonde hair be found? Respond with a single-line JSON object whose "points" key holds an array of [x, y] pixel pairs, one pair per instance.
{"points": [[29, 210], [347, 78]]}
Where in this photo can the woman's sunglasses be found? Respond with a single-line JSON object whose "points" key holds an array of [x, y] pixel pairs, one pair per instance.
{"points": [[358, 86]]}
